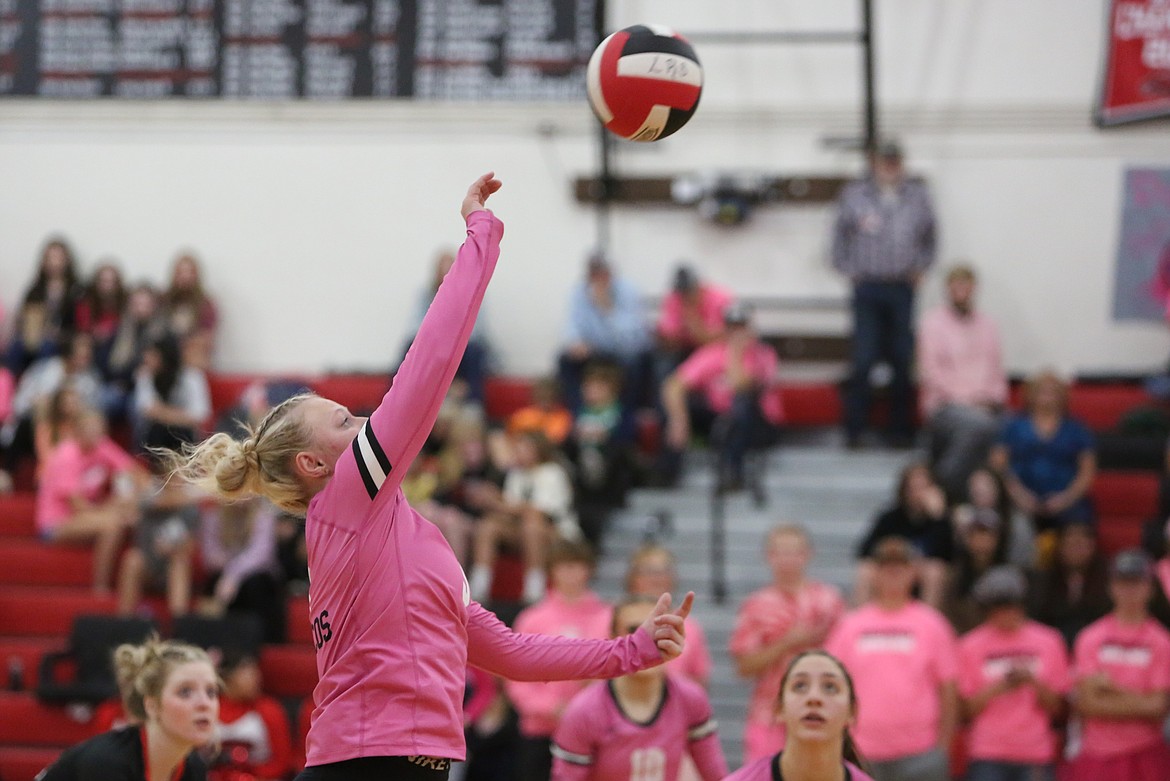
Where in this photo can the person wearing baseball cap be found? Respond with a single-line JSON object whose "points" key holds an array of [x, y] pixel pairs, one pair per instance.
{"points": [[723, 390], [902, 655], [1013, 678], [691, 316], [1121, 665], [979, 531]]}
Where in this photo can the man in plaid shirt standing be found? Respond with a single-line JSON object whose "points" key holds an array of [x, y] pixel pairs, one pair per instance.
{"points": [[883, 241]]}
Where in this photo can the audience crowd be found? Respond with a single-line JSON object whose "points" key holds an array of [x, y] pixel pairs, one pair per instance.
{"points": [[982, 609]]}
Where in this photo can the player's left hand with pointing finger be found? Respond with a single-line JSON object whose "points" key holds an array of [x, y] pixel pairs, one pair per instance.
{"points": [[666, 626]]}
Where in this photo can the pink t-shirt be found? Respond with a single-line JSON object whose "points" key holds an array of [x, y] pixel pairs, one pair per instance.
{"points": [[768, 769], [706, 371], [392, 617], [540, 703], [1136, 658], [7, 390], [764, 618], [712, 301], [960, 360], [899, 660], [597, 741], [1013, 727], [70, 472]]}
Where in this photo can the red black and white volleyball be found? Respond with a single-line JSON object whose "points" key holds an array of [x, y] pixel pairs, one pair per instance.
{"points": [[644, 82]]}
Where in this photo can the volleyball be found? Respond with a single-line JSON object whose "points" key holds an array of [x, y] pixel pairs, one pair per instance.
{"points": [[644, 82]]}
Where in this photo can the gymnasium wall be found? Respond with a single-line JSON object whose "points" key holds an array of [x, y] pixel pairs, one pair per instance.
{"points": [[317, 222]]}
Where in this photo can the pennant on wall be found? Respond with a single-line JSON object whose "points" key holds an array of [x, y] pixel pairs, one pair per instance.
{"points": [[1136, 82], [1142, 282]]}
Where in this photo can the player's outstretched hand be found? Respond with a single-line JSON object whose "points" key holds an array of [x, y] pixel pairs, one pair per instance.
{"points": [[478, 193], [666, 626]]}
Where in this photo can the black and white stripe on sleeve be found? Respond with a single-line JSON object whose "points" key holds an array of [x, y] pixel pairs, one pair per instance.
{"points": [[568, 756], [701, 731], [372, 463]]}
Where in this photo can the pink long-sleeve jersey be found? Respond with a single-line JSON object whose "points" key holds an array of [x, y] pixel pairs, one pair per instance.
{"points": [[392, 617]]}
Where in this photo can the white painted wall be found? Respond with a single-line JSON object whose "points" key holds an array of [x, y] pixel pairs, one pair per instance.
{"points": [[317, 222]]}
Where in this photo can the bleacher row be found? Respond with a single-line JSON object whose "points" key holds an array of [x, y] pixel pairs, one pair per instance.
{"points": [[43, 589]]}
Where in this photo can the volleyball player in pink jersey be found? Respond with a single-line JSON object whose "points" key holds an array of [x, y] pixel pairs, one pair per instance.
{"points": [[392, 617], [638, 727], [817, 705]]}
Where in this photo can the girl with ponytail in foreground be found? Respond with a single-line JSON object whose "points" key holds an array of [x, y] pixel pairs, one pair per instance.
{"points": [[172, 691], [817, 704]]}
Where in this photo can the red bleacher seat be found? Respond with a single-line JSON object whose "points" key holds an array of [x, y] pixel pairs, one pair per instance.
{"points": [[33, 611], [811, 404], [34, 563], [23, 763], [18, 515], [505, 395], [1124, 501], [300, 630], [1100, 406], [225, 389], [288, 670], [360, 392], [26, 722], [1116, 492], [356, 391]]}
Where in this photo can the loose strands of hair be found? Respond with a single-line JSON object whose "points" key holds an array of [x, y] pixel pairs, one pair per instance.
{"points": [[261, 464]]}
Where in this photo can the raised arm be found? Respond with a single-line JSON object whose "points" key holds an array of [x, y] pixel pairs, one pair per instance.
{"points": [[395, 433]]}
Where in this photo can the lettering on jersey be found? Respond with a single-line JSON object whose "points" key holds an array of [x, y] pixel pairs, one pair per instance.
{"points": [[998, 665], [888, 642], [647, 764], [372, 463], [1125, 655], [322, 631]]}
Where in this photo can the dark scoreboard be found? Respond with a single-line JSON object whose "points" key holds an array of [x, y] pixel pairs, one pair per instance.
{"points": [[494, 50]]}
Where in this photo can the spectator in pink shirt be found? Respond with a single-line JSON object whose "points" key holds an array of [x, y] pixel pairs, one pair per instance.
{"points": [[1013, 678], [902, 655], [962, 380], [640, 726], [1122, 668], [776, 623], [691, 316], [568, 609], [722, 389], [818, 704], [7, 391], [89, 494]]}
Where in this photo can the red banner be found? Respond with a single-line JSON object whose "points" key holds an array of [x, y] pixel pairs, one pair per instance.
{"points": [[1136, 83]]}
